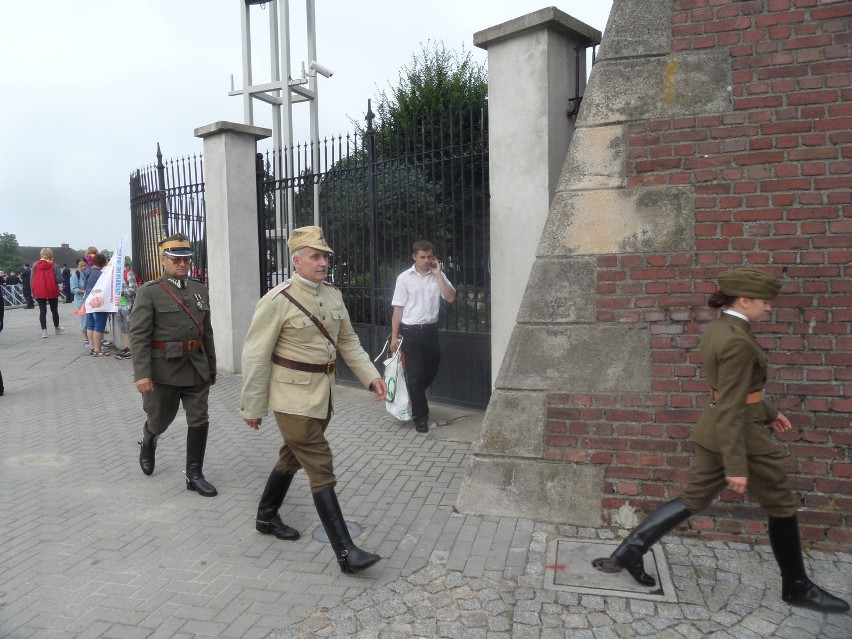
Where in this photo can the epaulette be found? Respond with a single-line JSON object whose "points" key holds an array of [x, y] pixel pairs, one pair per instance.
{"points": [[150, 282], [331, 285], [283, 286]]}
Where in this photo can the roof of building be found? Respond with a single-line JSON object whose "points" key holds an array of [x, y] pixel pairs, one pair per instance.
{"points": [[61, 254]]}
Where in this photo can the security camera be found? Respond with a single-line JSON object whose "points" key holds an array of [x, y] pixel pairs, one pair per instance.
{"points": [[322, 70]]}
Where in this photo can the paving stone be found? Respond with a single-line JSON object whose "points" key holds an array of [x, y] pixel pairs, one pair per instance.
{"points": [[157, 561]]}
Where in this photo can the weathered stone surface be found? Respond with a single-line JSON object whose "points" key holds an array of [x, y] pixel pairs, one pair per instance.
{"points": [[680, 84], [597, 159], [578, 358], [620, 221], [560, 290], [525, 488], [514, 424], [637, 28]]}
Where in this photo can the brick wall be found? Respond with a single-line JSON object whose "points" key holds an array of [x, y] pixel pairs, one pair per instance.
{"points": [[773, 188]]}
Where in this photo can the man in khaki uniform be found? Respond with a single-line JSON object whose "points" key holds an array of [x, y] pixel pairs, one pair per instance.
{"points": [[288, 362], [174, 359]]}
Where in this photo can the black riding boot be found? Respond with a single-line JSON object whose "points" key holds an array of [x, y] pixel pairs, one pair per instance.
{"points": [[268, 521], [629, 554], [196, 444], [147, 447], [349, 556], [796, 588]]}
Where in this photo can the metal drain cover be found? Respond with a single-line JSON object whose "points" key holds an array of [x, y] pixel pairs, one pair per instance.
{"points": [[321, 535], [572, 565]]}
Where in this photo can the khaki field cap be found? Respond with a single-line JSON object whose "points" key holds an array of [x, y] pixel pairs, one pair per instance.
{"points": [[176, 245], [749, 282], [308, 236]]}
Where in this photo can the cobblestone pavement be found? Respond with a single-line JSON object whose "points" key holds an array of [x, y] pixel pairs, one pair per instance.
{"points": [[93, 548]]}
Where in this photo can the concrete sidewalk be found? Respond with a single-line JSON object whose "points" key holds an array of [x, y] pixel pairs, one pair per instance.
{"points": [[93, 548]]}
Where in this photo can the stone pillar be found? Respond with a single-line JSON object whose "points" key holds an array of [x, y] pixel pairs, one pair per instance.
{"points": [[532, 75], [230, 201]]}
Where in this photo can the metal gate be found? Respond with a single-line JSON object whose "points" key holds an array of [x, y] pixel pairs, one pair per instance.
{"points": [[380, 190]]}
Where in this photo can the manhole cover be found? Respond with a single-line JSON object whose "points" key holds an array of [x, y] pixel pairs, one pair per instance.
{"points": [[321, 535], [583, 566]]}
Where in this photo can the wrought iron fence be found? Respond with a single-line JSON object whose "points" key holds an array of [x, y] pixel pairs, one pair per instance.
{"points": [[379, 190], [166, 199]]}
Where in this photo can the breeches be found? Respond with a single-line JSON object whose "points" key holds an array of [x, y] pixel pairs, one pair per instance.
{"points": [[422, 352], [305, 446], [161, 405], [767, 482]]}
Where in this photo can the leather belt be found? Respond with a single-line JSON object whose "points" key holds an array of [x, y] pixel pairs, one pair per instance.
{"points": [[327, 368], [191, 345], [419, 327], [752, 398]]}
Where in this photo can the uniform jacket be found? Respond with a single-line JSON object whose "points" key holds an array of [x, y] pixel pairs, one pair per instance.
{"points": [[158, 317], [281, 328], [45, 280], [735, 365]]}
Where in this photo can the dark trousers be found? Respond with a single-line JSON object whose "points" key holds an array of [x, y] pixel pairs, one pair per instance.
{"points": [[422, 353], [42, 311], [28, 295], [161, 405]]}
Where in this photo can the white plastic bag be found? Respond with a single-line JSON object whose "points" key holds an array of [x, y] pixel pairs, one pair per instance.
{"points": [[397, 401]]}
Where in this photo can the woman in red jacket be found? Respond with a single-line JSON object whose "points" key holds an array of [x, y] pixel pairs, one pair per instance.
{"points": [[45, 284]]}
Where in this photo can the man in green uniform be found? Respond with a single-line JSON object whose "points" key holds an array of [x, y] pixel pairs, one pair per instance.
{"points": [[288, 362], [174, 360]]}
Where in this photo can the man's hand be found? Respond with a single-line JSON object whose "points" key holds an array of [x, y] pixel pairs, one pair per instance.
{"points": [[212, 378], [394, 344], [254, 423], [379, 388], [145, 385], [436, 266], [781, 424], [737, 484]]}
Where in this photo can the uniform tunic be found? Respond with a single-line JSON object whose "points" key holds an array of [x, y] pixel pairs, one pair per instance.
{"points": [[733, 437], [157, 316], [302, 401]]}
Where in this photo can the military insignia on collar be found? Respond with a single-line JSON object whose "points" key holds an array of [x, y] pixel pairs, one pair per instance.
{"points": [[177, 283]]}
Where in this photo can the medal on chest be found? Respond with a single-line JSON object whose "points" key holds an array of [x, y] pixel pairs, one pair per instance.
{"points": [[199, 301]]}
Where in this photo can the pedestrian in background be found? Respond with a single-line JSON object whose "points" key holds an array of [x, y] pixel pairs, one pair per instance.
{"points": [[66, 284], [733, 444], [26, 285], [78, 288], [174, 359], [416, 304], [125, 306], [95, 320], [289, 359], [45, 279]]}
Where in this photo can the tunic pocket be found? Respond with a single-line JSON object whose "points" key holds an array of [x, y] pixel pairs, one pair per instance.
{"points": [[290, 376]]}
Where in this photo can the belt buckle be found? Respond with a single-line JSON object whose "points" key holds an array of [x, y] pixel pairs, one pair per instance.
{"points": [[329, 368]]}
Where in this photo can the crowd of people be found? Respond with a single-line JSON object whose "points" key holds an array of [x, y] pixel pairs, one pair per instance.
{"points": [[44, 285]]}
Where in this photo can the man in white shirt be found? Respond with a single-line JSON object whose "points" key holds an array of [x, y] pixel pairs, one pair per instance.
{"points": [[416, 302]]}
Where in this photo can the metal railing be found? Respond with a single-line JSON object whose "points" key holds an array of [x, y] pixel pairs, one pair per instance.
{"points": [[380, 190]]}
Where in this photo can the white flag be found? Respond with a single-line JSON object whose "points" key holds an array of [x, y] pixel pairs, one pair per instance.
{"points": [[105, 295]]}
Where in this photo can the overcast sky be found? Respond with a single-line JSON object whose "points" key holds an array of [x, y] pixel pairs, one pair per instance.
{"points": [[88, 88]]}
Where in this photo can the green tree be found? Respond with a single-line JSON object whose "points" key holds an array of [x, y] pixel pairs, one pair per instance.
{"points": [[10, 253]]}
